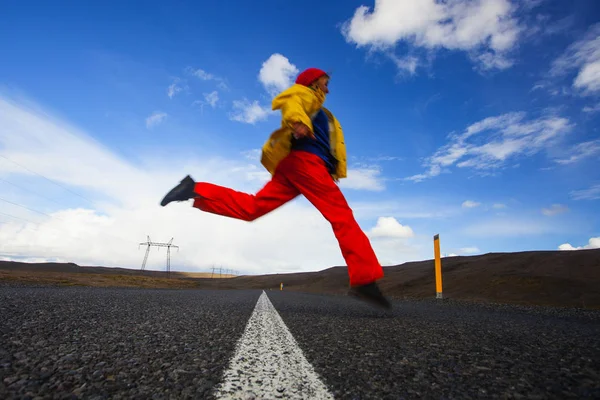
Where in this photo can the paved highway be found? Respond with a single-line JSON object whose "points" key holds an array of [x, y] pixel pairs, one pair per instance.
{"points": [[97, 343]]}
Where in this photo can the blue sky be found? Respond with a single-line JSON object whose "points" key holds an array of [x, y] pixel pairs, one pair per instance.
{"points": [[475, 119]]}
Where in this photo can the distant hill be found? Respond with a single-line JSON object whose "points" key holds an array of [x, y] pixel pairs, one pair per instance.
{"points": [[557, 278], [74, 268]]}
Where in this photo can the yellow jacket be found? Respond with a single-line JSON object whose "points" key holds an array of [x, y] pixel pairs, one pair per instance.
{"points": [[298, 104]]}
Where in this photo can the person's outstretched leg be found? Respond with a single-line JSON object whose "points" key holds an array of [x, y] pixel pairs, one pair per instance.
{"points": [[231, 203], [248, 207], [309, 175]]}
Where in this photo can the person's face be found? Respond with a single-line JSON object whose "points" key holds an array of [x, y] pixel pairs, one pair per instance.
{"points": [[322, 83]]}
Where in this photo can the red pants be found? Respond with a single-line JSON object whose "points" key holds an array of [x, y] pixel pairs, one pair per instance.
{"points": [[300, 173]]}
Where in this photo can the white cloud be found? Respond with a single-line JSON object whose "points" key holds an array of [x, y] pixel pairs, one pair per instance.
{"points": [[177, 86], [389, 227], [406, 64], [155, 119], [592, 193], [367, 178], [200, 73], [486, 30], [499, 206], [469, 250], [539, 86], [581, 151], [384, 158], [211, 98], [584, 57], [490, 143], [277, 74], [206, 76], [490, 61], [593, 243], [253, 154], [510, 227], [123, 207], [407, 208], [463, 251], [249, 112], [589, 76], [592, 110], [173, 89], [555, 209], [549, 27], [566, 246], [470, 204], [530, 4]]}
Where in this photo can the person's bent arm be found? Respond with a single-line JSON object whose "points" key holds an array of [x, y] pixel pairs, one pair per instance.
{"points": [[295, 117]]}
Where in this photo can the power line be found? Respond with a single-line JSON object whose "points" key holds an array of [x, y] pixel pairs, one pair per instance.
{"points": [[35, 229], [48, 179], [22, 219], [27, 208], [31, 191], [60, 219], [48, 215], [168, 245], [59, 185], [34, 223], [50, 227]]}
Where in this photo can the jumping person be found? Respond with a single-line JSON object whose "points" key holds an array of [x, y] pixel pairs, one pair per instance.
{"points": [[305, 156]]}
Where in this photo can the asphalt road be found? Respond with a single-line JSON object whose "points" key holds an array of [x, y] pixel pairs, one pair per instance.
{"points": [[444, 350], [156, 344], [117, 343]]}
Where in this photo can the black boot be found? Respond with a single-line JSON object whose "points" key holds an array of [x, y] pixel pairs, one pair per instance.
{"points": [[182, 192], [370, 293]]}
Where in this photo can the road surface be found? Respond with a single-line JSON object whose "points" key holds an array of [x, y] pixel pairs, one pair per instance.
{"points": [[99, 343]]}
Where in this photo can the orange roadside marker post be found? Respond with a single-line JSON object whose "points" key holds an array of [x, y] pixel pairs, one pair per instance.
{"points": [[281, 286], [438, 267]]}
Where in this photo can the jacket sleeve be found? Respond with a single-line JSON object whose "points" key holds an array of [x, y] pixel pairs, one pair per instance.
{"points": [[292, 110]]}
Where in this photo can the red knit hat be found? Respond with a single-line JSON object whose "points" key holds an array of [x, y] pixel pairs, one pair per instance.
{"points": [[309, 75]]}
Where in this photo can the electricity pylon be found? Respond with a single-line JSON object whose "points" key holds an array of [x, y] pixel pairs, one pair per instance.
{"points": [[168, 245]]}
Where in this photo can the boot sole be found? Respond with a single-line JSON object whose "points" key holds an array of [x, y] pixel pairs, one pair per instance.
{"points": [[176, 189]]}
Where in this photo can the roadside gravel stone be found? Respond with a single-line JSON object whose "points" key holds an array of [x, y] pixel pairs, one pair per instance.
{"points": [[98, 343], [444, 349]]}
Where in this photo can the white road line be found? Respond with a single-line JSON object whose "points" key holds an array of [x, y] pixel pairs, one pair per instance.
{"points": [[268, 364]]}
